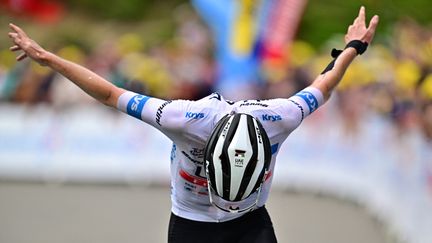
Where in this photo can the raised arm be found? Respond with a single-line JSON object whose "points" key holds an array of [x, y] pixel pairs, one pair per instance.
{"points": [[358, 31], [90, 82]]}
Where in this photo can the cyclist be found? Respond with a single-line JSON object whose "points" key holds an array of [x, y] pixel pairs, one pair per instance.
{"points": [[196, 215]]}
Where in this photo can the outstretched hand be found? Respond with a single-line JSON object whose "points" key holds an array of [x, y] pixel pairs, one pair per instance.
{"points": [[359, 31], [28, 46]]}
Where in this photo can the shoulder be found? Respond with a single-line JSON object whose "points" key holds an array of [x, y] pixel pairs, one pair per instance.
{"points": [[191, 115], [261, 106]]}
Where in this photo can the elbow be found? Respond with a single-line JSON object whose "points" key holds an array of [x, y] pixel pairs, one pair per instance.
{"points": [[111, 97], [325, 86], [327, 95], [107, 99]]}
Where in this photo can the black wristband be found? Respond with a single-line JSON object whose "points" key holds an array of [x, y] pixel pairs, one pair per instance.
{"points": [[360, 46], [335, 52]]}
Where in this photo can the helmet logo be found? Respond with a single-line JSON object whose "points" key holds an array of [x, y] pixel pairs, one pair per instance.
{"points": [[258, 135], [239, 160], [240, 153], [225, 130]]}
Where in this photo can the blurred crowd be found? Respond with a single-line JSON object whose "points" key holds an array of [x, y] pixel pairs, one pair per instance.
{"points": [[393, 79]]}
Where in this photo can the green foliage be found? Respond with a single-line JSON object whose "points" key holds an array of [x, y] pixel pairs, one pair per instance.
{"points": [[324, 18], [321, 20], [123, 10]]}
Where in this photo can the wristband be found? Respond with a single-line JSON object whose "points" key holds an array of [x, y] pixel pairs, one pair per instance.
{"points": [[358, 45]]}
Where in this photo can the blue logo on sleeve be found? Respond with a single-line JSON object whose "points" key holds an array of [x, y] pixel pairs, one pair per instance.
{"points": [[310, 100], [136, 105]]}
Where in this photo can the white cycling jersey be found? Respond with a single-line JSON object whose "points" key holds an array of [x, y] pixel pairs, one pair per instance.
{"points": [[189, 123]]}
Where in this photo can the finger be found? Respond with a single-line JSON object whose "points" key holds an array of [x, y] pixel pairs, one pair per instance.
{"points": [[12, 35], [21, 57], [17, 29], [15, 48], [362, 13], [373, 23], [372, 27]]}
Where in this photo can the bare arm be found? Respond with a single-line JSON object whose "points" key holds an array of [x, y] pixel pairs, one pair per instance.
{"points": [[327, 81], [90, 82]]}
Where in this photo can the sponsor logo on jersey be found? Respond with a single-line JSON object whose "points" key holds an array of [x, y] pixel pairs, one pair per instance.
{"points": [[197, 152], [196, 116], [257, 103], [271, 118], [195, 180], [160, 111], [136, 105], [310, 100], [198, 162]]}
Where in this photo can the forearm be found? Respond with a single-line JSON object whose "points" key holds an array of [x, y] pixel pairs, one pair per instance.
{"points": [[357, 39], [91, 83], [327, 81]]}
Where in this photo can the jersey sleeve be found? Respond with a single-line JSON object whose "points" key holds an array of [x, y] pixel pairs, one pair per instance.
{"points": [[296, 108], [307, 100], [164, 115]]}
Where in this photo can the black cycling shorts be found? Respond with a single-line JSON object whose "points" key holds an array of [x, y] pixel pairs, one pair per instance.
{"points": [[253, 227]]}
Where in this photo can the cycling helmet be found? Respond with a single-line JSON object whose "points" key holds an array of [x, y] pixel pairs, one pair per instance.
{"points": [[237, 158]]}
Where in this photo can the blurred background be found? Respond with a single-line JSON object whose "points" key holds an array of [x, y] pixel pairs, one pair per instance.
{"points": [[357, 170]]}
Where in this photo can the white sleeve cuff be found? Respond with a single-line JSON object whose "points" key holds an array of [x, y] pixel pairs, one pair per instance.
{"points": [[310, 97]]}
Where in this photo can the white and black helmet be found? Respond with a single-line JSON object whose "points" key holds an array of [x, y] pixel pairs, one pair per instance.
{"points": [[237, 159]]}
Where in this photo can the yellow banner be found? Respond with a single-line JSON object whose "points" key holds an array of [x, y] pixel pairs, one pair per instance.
{"points": [[244, 29]]}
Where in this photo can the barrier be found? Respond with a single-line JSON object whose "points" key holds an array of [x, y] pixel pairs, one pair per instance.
{"points": [[388, 173]]}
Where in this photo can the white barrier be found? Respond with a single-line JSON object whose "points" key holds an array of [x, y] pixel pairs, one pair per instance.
{"points": [[390, 174]]}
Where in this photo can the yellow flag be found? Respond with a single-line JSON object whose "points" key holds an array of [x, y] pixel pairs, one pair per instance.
{"points": [[245, 27]]}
